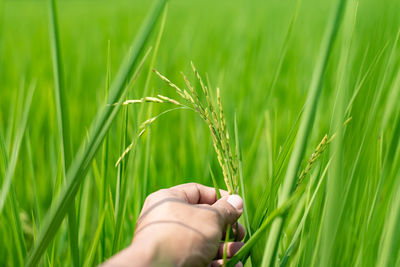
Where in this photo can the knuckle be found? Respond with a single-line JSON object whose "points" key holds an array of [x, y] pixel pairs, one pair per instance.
{"points": [[150, 197], [191, 184], [216, 215], [228, 213], [162, 192], [155, 196]]}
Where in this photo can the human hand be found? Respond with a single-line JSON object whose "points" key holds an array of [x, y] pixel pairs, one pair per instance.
{"points": [[183, 226]]}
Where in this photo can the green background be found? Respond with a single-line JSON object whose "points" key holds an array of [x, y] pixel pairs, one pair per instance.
{"points": [[240, 46]]}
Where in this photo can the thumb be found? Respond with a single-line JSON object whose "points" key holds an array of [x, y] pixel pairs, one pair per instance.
{"points": [[229, 208]]}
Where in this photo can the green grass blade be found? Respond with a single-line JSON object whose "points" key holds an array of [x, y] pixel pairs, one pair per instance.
{"points": [[389, 240], [20, 241], [3, 153], [104, 160], [120, 195], [144, 190], [215, 184], [96, 239], [244, 251], [304, 131], [63, 123], [284, 50], [280, 163], [387, 166], [17, 221], [79, 166], [305, 215], [36, 209], [240, 169], [225, 252], [334, 201], [16, 148], [59, 91]]}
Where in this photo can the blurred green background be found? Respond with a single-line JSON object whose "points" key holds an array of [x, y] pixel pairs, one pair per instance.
{"points": [[264, 72]]}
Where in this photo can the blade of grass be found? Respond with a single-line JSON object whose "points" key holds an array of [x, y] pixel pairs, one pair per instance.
{"points": [[36, 209], [121, 188], [18, 224], [16, 148], [280, 163], [96, 239], [387, 168], [63, 123], [215, 184], [100, 125], [240, 169], [388, 238], [305, 215], [283, 51], [104, 160], [20, 241], [304, 131], [334, 202], [225, 254], [59, 91], [244, 251], [3, 153], [146, 89], [16, 253], [363, 144], [266, 200]]}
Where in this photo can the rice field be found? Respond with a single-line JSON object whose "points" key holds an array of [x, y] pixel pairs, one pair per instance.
{"points": [[292, 104]]}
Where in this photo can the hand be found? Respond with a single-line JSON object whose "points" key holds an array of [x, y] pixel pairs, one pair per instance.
{"points": [[183, 226]]}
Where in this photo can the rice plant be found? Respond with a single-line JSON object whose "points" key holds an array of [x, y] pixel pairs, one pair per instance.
{"points": [[295, 109], [209, 112]]}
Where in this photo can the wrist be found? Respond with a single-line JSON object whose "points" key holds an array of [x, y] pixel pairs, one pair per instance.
{"points": [[136, 255]]}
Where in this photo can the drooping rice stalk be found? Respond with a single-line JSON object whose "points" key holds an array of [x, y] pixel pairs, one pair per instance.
{"points": [[212, 115], [315, 156]]}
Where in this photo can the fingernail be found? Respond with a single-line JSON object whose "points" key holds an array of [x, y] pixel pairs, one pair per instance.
{"points": [[236, 201]]}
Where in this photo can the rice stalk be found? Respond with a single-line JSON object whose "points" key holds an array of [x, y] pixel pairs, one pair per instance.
{"points": [[150, 99], [216, 124], [315, 156]]}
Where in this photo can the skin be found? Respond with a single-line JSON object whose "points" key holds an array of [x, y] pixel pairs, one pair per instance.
{"points": [[183, 226]]}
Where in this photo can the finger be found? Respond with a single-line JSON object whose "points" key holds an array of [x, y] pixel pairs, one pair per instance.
{"points": [[238, 235], [231, 249], [220, 262], [242, 232], [229, 208], [194, 193]]}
